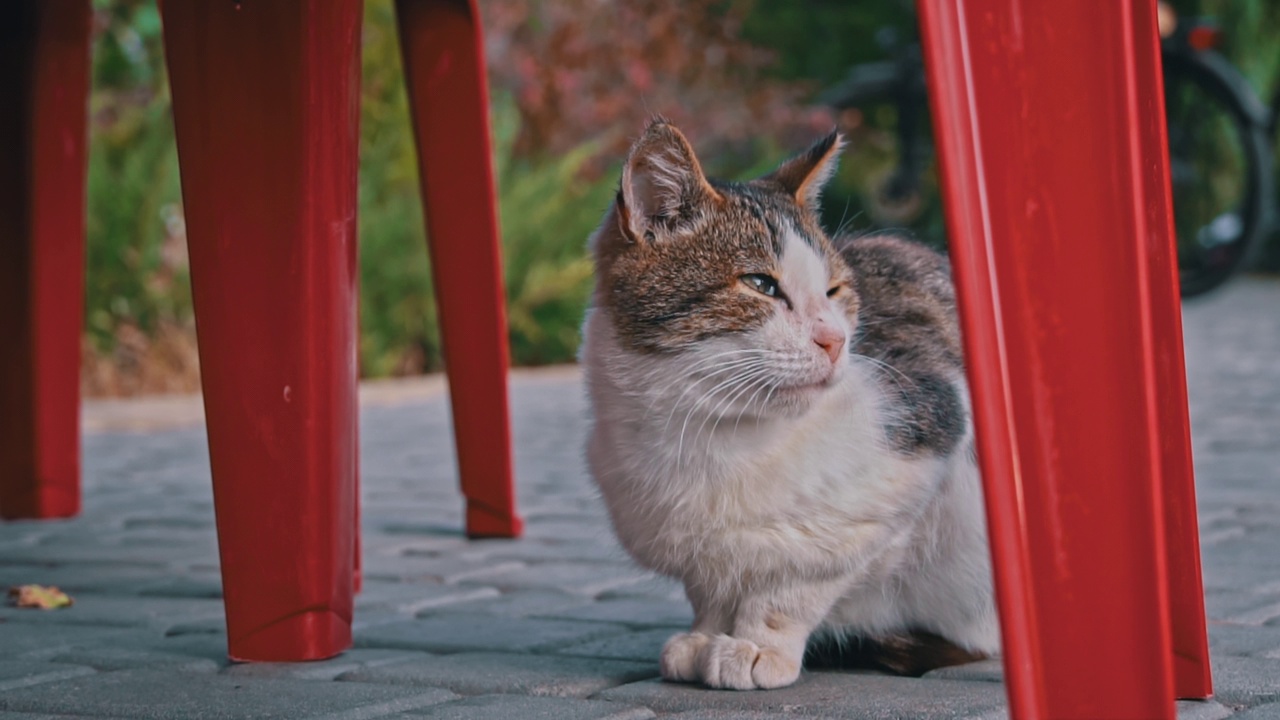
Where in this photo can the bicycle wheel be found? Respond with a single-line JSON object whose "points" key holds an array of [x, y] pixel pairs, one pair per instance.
{"points": [[1220, 169]]}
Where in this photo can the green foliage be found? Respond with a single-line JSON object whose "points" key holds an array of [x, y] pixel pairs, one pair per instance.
{"points": [[398, 332], [133, 275], [548, 208], [137, 275], [818, 40], [572, 85]]}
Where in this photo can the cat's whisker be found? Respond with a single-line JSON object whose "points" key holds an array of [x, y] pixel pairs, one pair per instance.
{"points": [[886, 366], [740, 376], [759, 385], [746, 384], [768, 383], [727, 367], [710, 394]]}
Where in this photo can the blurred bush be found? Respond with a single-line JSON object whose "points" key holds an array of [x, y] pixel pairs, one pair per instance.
{"points": [[573, 81]]}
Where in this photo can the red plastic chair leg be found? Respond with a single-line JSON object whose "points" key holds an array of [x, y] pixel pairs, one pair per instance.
{"points": [[1049, 120], [265, 102], [44, 83], [444, 67]]}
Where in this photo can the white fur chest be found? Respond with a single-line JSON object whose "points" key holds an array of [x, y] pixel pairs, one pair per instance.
{"points": [[674, 485]]}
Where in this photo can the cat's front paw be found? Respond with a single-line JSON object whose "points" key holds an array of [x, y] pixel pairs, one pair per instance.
{"points": [[680, 655], [735, 664]]}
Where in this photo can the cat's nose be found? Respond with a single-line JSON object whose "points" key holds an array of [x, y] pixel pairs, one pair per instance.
{"points": [[830, 338]]}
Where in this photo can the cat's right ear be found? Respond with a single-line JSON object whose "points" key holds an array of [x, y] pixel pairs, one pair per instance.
{"points": [[663, 185]]}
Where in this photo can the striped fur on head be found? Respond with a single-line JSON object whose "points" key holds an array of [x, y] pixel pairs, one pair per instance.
{"points": [[671, 254]]}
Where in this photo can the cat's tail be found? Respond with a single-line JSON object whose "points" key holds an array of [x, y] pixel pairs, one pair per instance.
{"points": [[912, 653]]}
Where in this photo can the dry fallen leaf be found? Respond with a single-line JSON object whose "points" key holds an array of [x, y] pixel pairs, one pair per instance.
{"points": [[39, 596]]}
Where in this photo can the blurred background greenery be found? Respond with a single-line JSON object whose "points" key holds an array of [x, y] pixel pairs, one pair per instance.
{"points": [[572, 81]]}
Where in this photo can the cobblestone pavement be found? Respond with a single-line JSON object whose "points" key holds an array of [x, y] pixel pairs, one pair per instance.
{"points": [[557, 625]]}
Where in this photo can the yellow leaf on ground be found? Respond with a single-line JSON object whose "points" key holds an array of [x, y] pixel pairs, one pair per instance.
{"points": [[39, 596]]}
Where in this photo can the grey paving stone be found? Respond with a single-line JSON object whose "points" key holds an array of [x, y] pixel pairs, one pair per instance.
{"points": [[631, 611], [493, 707], [588, 579], [981, 671], [348, 662], [172, 522], [1245, 681], [207, 626], [105, 658], [146, 694], [654, 586], [1242, 608], [90, 552], [1270, 711], [448, 570], [641, 646], [37, 640], [103, 610], [377, 542], [597, 532], [468, 631], [1229, 639], [730, 715], [15, 674], [211, 647], [828, 694], [534, 551], [412, 598], [522, 603], [80, 578], [482, 673], [208, 587], [1201, 710]]}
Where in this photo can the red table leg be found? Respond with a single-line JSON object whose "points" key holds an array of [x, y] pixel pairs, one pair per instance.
{"points": [[444, 67], [265, 101], [44, 86], [1048, 116]]}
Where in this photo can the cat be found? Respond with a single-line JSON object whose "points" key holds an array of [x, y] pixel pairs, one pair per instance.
{"points": [[780, 421]]}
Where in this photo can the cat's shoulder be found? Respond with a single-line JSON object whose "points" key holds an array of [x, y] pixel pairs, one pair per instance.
{"points": [[893, 263]]}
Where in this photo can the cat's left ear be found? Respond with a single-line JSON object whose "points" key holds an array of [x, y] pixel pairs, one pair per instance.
{"points": [[662, 184], [804, 175]]}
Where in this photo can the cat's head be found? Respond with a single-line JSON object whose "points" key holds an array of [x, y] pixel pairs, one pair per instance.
{"points": [[735, 284]]}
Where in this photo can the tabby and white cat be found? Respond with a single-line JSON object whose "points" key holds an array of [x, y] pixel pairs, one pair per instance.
{"points": [[779, 421]]}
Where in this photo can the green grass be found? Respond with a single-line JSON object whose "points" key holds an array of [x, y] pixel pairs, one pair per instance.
{"points": [[137, 273]]}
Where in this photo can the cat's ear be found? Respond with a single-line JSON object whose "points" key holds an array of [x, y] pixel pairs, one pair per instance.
{"points": [[662, 184], [804, 175]]}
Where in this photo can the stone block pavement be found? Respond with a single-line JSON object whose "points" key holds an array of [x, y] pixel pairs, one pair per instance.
{"points": [[558, 625]]}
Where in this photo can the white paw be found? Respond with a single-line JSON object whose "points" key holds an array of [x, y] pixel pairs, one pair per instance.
{"points": [[735, 664], [679, 656]]}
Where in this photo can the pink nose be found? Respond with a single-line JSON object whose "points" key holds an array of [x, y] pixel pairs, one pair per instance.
{"points": [[830, 338]]}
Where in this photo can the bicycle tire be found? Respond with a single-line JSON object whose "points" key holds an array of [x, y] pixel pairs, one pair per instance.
{"points": [[1219, 81]]}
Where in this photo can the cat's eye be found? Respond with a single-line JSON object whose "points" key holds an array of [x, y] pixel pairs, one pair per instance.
{"points": [[835, 290], [762, 284]]}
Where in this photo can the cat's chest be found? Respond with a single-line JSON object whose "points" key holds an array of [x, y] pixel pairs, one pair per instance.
{"points": [[835, 467]]}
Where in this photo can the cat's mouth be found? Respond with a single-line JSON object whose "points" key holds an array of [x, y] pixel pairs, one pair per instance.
{"points": [[812, 386]]}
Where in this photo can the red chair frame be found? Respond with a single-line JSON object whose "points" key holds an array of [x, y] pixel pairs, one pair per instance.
{"points": [[1050, 126], [266, 108]]}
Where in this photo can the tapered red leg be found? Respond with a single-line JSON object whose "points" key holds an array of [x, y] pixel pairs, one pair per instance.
{"points": [[265, 101], [444, 67], [1055, 176], [44, 85]]}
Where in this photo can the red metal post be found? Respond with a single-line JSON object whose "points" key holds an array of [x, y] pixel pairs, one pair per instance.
{"points": [[443, 49], [44, 86], [265, 102], [1055, 172]]}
